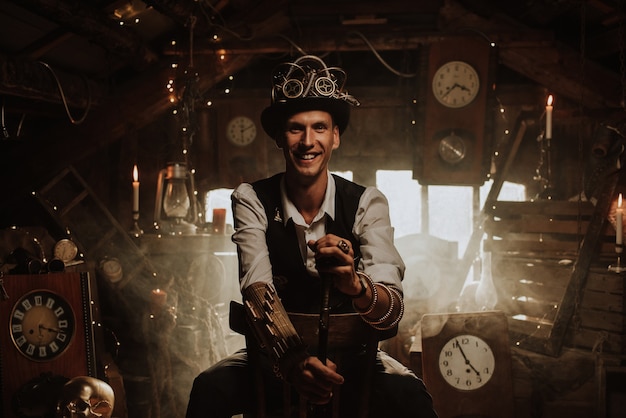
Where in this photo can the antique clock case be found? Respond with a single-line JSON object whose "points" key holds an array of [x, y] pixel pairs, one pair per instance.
{"points": [[56, 310]]}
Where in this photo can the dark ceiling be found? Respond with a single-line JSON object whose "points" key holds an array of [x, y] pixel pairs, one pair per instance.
{"points": [[108, 62]]}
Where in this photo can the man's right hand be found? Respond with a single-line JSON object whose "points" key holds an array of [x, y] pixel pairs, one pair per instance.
{"points": [[314, 380]]}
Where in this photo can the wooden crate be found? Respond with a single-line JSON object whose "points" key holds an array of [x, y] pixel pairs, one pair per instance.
{"points": [[534, 249]]}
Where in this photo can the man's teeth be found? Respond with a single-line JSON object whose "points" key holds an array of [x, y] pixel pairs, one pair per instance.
{"points": [[307, 156]]}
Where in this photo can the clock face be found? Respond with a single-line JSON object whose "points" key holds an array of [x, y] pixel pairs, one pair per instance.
{"points": [[466, 362], [456, 84], [65, 250], [42, 324], [452, 148], [241, 130]]}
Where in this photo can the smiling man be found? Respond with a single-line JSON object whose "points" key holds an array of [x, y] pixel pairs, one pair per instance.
{"points": [[297, 231]]}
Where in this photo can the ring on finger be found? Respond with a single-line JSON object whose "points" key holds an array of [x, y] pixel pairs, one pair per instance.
{"points": [[343, 246]]}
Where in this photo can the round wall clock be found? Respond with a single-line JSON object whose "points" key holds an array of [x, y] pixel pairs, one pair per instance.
{"points": [[42, 325], [455, 84], [241, 131], [466, 362]]}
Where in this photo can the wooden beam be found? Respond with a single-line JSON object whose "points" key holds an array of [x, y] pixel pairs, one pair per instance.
{"points": [[556, 66], [82, 18], [132, 106], [565, 74], [385, 38], [332, 7], [34, 80]]}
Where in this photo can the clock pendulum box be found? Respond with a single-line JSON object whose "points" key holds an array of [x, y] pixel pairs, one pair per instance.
{"points": [[47, 330], [455, 112], [466, 363]]}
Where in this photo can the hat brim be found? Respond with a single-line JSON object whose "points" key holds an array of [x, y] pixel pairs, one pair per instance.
{"points": [[273, 117]]}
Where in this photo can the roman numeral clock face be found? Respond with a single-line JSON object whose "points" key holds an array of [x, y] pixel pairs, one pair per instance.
{"points": [[42, 325]]}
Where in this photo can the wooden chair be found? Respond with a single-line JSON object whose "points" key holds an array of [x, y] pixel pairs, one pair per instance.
{"points": [[346, 333]]}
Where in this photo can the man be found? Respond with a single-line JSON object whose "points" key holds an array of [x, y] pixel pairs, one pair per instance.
{"points": [[298, 233]]}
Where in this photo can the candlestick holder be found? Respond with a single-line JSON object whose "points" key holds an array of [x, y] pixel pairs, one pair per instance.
{"points": [[618, 268], [136, 231]]}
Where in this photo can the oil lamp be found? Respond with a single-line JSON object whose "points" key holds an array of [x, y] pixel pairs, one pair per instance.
{"points": [[175, 208]]}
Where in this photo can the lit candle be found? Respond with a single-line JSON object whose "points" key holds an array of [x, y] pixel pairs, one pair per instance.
{"points": [[135, 189], [158, 299], [549, 117], [618, 221]]}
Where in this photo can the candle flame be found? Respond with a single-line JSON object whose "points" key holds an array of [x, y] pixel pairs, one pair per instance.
{"points": [[550, 100], [135, 173], [619, 201]]}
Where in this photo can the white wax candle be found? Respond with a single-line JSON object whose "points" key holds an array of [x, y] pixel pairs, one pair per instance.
{"points": [[618, 221], [135, 189], [549, 108]]}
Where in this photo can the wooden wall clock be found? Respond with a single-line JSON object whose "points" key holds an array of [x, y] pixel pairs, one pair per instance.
{"points": [[47, 326], [466, 363], [454, 146]]}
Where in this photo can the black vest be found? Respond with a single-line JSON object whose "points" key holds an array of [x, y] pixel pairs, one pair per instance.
{"points": [[299, 291]]}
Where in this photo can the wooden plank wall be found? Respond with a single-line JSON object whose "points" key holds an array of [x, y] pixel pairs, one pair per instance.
{"points": [[534, 246]]}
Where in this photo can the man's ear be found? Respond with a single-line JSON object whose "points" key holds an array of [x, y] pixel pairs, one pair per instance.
{"points": [[336, 137], [279, 140]]}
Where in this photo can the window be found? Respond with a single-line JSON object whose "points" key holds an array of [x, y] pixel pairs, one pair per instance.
{"points": [[403, 194], [218, 198], [450, 208]]}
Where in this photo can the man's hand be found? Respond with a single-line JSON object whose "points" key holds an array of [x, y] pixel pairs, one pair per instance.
{"points": [[314, 380], [335, 256]]}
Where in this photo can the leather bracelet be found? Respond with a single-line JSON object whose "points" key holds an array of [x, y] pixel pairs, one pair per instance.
{"points": [[363, 288], [372, 286]]}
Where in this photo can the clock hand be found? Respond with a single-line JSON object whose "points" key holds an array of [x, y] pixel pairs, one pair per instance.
{"points": [[58, 331], [449, 90], [465, 357]]}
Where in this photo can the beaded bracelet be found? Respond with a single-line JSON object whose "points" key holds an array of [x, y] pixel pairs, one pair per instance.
{"points": [[397, 319], [372, 286], [387, 314]]}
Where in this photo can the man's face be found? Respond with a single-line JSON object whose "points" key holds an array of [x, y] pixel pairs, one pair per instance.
{"points": [[308, 142]]}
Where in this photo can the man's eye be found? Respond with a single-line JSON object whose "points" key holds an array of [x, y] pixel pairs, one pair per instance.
{"points": [[320, 128]]}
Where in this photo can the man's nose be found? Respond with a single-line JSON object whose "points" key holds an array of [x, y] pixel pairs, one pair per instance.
{"points": [[307, 136]]}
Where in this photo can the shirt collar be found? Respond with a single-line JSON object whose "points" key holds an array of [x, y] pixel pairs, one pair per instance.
{"points": [[327, 208]]}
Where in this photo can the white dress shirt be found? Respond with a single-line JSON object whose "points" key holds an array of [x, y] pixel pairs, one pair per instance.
{"points": [[372, 227]]}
